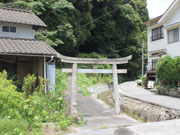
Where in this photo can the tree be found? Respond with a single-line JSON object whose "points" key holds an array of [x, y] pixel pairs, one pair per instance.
{"points": [[120, 31], [111, 28]]}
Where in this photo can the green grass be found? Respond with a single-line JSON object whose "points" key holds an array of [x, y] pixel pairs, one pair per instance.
{"points": [[85, 92], [13, 127]]}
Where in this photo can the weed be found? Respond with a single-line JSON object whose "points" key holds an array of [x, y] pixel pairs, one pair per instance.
{"points": [[85, 92]]}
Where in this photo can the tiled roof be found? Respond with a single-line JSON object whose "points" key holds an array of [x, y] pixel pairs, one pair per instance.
{"points": [[10, 46], [20, 16]]}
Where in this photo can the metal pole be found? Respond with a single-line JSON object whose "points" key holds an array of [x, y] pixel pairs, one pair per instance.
{"points": [[143, 59]]}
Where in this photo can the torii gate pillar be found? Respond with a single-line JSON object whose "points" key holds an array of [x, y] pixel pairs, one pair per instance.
{"points": [[115, 88], [74, 90]]}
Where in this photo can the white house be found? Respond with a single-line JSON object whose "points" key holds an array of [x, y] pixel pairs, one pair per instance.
{"points": [[20, 52], [163, 36]]}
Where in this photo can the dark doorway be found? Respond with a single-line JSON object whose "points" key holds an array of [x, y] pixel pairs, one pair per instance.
{"points": [[9, 67]]}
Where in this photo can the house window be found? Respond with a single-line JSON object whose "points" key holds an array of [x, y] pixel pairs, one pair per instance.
{"points": [[13, 29], [5, 28], [154, 62], [173, 35], [157, 33], [9, 29]]}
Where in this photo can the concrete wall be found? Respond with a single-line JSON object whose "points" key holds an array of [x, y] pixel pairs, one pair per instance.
{"points": [[22, 31]]}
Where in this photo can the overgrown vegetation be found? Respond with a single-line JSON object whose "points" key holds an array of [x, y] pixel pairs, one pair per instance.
{"points": [[29, 109], [61, 80], [85, 92], [168, 71], [32, 107]]}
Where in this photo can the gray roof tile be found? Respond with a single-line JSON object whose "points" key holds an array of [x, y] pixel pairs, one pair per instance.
{"points": [[20, 16], [12, 46]]}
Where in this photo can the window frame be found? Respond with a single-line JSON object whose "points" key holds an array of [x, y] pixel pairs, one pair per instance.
{"points": [[11, 29], [4, 28], [173, 36], [157, 33]]}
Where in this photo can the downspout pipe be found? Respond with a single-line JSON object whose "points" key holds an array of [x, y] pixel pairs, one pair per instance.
{"points": [[45, 73], [45, 70]]}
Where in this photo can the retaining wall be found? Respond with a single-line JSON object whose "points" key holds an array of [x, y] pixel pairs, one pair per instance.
{"points": [[140, 110]]}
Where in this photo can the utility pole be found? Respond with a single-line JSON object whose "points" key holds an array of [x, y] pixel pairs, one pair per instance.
{"points": [[143, 58]]}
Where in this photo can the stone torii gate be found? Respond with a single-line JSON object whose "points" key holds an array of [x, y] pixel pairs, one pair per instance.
{"points": [[75, 70]]}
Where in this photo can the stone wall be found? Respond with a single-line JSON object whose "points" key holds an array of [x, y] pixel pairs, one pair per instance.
{"points": [[100, 88], [171, 92], [147, 112], [141, 110]]}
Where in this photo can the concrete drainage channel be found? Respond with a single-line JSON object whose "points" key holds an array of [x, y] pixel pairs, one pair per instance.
{"points": [[140, 110]]}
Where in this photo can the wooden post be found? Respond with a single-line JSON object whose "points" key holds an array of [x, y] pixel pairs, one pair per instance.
{"points": [[74, 91], [115, 87]]}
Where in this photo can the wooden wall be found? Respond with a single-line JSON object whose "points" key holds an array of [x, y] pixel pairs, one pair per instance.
{"points": [[25, 65]]}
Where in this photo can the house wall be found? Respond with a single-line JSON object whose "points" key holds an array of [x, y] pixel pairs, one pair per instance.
{"points": [[41, 67], [173, 49], [22, 31], [175, 16], [157, 44]]}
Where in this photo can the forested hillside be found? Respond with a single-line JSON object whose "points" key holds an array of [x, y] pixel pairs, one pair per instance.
{"points": [[111, 28]]}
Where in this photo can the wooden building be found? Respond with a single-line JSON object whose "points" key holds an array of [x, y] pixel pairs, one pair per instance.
{"points": [[20, 52]]}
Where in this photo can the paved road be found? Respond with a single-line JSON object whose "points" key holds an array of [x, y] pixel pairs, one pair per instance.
{"points": [[102, 121], [130, 89]]}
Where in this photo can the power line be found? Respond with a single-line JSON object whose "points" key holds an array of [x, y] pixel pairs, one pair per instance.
{"points": [[94, 20]]}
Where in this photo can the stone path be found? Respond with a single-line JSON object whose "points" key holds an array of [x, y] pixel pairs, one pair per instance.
{"points": [[101, 118], [130, 89]]}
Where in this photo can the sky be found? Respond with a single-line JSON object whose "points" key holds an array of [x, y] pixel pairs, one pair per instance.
{"points": [[158, 7]]}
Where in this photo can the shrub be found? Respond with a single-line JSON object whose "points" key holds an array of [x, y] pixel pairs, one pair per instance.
{"points": [[143, 80], [34, 110], [29, 84], [10, 99], [168, 70]]}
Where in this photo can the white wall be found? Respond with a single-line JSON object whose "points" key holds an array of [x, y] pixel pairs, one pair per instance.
{"points": [[173, 49], [157, 44], [22, 31], [175, 18]]}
